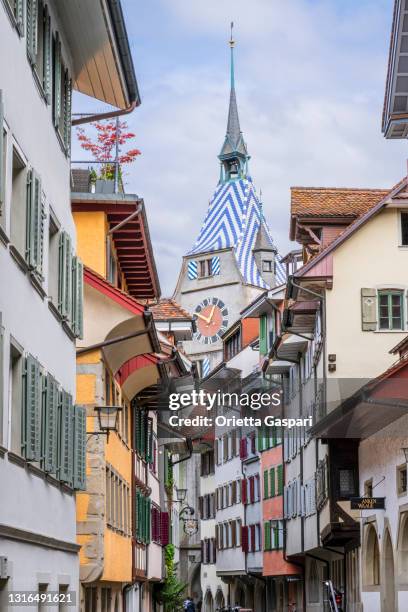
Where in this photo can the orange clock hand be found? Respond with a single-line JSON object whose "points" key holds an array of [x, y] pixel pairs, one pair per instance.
{"points": [[202, 317], [211, 315]]}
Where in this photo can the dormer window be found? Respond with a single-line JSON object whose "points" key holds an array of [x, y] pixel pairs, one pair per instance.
{"points": [[267, 265]]}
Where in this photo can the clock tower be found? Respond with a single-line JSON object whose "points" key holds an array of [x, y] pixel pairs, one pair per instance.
{"points": [[234, 258]]}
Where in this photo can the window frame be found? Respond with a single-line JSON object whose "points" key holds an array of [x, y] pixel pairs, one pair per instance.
{"points": [[402, 244], [390, 293]]}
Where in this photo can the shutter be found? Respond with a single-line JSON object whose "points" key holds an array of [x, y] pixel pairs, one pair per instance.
{"points": [[149, 444], [233, 533], [215, 265], [201, 506], [19, 15], [285, 503], [164, 528], [252, 547], [66, 438], [266, 484], [34, 222], [280, 479], [276, 536], [243, 449], [234, 492], [57, 80], [31, 33], [298, 498], [67, 111], [80, 448], [272, 482], [285, 446], [257, 488], [214, 550], [47, 55], [280, 534], [64, 276], [263, 340], [251, 489], [267, 535], [2, 155], [244, 538], [148, 522], [32, 410], [192, 270], [77, 297], [50, 420], [244, 490], [368, 309]]}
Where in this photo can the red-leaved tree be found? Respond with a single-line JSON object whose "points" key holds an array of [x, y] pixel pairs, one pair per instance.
{"points": [[103, 146]]}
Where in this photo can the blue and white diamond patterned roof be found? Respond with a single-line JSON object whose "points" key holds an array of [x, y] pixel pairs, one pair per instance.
{"points": [[233, 220]]}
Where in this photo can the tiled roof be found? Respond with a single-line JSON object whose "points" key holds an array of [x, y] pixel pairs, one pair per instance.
{"points": [[333, 202], [166, 309]]}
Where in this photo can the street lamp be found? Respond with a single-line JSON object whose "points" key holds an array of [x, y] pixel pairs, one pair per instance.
{"points": [[107, 420], [181, 494]]}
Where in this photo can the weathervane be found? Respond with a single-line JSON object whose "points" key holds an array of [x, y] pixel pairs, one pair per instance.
{"points": [[232, 41]]}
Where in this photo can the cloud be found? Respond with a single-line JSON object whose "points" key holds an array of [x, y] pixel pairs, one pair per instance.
{"points": [[310, 83]]}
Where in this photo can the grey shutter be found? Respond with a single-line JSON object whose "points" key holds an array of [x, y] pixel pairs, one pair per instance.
{"points": [[32, 410], [77, 296], [368, 309], [57, 80], [47, 55], [65, 435], [67, 110], [50, 419], [32, 33], [35, 222], [65, 276], [19, 15], [80, 448], [2, 156]]}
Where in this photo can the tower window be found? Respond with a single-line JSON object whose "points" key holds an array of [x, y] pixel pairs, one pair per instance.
{"points": [[267, 265], [206, 268]]}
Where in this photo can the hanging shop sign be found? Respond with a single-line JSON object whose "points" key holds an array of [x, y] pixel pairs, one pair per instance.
{"points": [[367, 503]]}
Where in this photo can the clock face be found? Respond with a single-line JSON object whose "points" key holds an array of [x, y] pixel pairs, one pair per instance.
{"points": [[211, 317]]}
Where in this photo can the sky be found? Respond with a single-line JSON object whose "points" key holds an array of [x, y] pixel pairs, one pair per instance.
{"points": [[310, 78]]}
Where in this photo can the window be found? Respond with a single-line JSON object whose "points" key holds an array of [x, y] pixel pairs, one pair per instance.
{"points": [[3, 163], [61, 96], [16, 9], [53, 258], [91, 599], [142, 517], [391, 309], [63, 592], [18, 202], [346, 483], [402, 479], [267, 265], [15, 386], [42, 589], [404, 228], [205, 267], [117, 502], [232, 345], [143, 435]]}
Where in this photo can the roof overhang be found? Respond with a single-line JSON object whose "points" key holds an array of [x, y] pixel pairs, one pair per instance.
{"points": [[99, 48], [300, 318], [182, 330], [278, 366], [395, 111], [289, 348], [131, 241]]}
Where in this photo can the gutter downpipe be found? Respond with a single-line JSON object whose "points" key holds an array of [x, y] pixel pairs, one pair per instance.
{"points": [[85, 118]]}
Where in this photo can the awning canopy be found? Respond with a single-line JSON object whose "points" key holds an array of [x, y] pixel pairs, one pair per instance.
{"points": [[278, 366], [100, 52], [119, 353]]}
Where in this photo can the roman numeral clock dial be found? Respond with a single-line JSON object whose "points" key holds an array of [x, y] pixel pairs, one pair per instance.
{"points": [[211, 317]]}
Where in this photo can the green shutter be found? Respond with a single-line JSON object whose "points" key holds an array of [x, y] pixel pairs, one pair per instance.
{"points": [[50, 419], [65, 277], [32, 30], [77, 296], [57, 80], [272, 481], [137, 427], [261, 439], [66, 448], [263, 338], [143, 433], [32, 410], [34, 222], [67, 111], [276, 536], [149, 450], [47, 55], [266, 484], [19, 15], [2, 156], [80, 448], [267, 535], [280, 479]]}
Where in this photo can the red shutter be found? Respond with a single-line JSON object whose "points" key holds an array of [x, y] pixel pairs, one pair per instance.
{"points": [[251, 490], [244, 538], [244, 490], [164, 528], [243, 451]]}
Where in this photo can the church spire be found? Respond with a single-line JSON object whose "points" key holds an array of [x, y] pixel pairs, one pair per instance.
{"points": [[234, 155]]}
